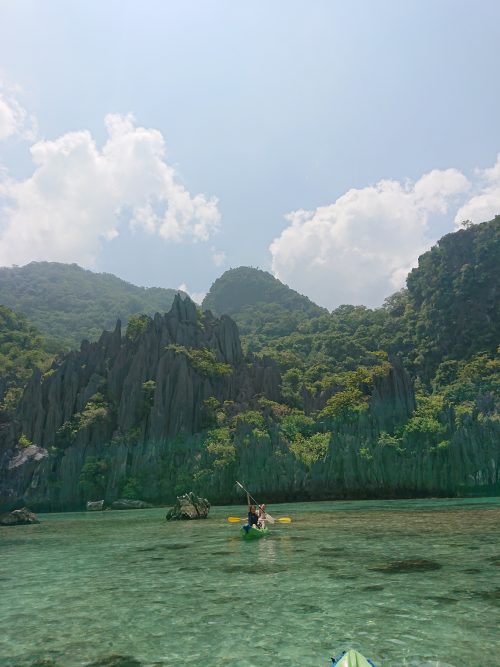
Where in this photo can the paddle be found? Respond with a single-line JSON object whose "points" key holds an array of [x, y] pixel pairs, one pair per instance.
{"points": [[236, 519], [268, 516]]}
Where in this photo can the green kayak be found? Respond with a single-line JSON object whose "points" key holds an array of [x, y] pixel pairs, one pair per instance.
{"points": [[351, 659], [253, 533]]}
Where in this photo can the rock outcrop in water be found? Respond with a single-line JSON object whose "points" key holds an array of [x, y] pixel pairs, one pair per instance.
{"points": [[188, 507], [95, 505], [21, 517], [174, 404]]}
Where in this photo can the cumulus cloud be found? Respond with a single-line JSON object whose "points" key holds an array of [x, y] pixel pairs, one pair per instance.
{"points": [[485, 203], [360, 248], [14, 119], [79, 196]]}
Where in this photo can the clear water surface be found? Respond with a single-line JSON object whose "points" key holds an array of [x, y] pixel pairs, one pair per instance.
{"points": [[413, 583]]}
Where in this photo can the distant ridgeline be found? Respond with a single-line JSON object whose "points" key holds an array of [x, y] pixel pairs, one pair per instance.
{"points": [[402, 400], [67, 303]]}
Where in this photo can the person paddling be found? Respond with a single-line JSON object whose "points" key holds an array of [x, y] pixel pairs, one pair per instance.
{"points": [[253, 518]]}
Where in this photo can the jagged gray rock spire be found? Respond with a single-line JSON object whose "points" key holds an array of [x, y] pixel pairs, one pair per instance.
{"points": [[119, 401]]}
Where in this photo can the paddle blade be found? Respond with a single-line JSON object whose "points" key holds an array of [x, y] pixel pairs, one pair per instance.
{"points": [[234, 519], [284, 519]]}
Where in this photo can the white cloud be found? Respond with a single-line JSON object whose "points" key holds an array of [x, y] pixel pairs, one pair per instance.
{"points": [[484, 205], [78, 197], [218, 257], [360, 248], [14, 120], [197, 297]]}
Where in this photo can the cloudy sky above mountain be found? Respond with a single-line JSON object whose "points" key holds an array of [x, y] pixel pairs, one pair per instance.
{"points": [[330, 142]]}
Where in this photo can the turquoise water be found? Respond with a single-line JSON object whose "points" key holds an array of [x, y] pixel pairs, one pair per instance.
{"points": [[413, 583]]}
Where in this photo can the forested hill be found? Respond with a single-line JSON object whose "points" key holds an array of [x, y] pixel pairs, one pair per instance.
{"points": [[68, 303], [452, 308], [261, 305]]}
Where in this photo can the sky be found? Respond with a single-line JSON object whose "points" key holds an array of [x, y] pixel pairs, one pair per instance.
{"points": [[328, 142]]}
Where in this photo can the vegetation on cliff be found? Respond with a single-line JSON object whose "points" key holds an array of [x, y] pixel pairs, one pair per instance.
{"points": [[22, 348], [444, 327], [452, 308]]}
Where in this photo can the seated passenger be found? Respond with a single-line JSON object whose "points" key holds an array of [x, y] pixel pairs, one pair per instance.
{"points": [[262, 516]]}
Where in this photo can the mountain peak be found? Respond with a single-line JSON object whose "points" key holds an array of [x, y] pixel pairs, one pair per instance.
{"points": [[246, 286]]}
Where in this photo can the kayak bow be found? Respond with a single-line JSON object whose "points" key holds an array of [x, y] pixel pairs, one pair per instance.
{"points": [[253, 533], [351, 658]]}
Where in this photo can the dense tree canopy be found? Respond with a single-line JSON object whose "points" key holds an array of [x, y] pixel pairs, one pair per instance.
{"points": [[444, 325], [453, 306], [69, 303], [21, 350]]}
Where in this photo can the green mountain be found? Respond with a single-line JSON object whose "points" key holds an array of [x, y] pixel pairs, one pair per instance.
{"points": [[398, 401], [68, 303], [262, 306]]}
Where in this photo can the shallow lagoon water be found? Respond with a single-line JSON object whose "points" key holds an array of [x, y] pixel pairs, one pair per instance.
{"points": [[413, 583]]}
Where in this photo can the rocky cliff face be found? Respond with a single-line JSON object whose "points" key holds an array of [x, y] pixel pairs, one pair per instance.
{"points": [[124, 402], [139, 416]]}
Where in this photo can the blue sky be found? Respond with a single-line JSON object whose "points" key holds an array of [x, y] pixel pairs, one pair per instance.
{"points": [[329, 142]]}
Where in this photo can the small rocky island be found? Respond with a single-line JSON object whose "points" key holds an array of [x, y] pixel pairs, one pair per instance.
{"points": [[189, 506], [21, 517]]}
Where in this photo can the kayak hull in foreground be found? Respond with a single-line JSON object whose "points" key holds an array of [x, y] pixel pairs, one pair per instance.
{"points": [[351, 658], [253, 533]]}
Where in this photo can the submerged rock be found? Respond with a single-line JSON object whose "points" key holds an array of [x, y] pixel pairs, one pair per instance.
{"points": [[95, 505], [411, 565], [189, 506], [491, 595], [115, 661], [128, 504], [20, 517]]}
